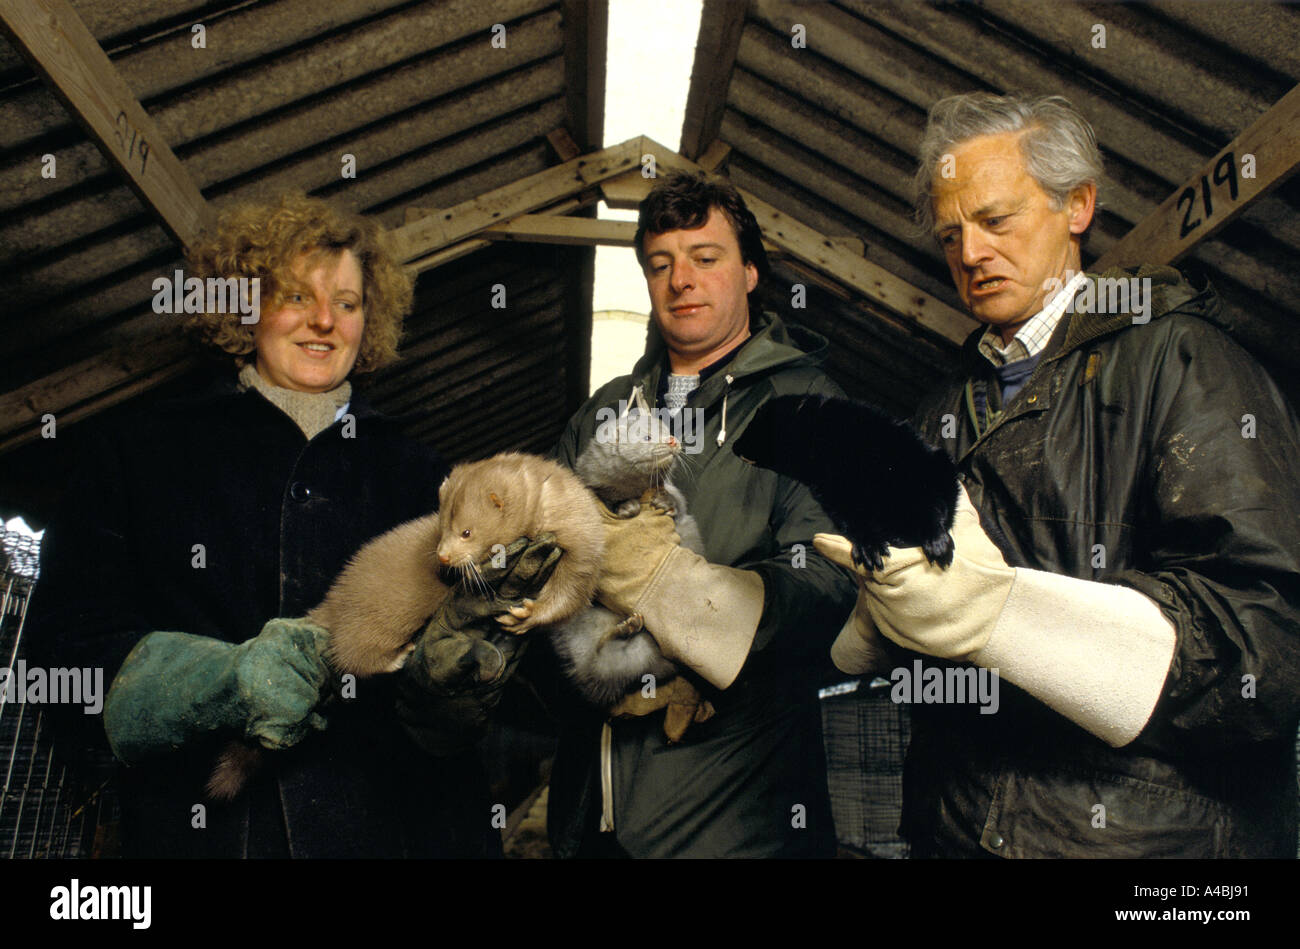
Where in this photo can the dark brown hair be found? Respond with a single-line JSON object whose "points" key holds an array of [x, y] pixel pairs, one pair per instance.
{"points": [[683, 201]]}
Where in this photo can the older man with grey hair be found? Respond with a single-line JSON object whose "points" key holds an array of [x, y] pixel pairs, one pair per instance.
{"points": [[1127, 538]]}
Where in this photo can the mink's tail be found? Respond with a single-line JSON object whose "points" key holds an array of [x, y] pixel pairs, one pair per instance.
{"points": [[237, 764]]}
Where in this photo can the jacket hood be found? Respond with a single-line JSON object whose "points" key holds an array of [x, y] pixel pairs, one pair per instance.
{"points": [[1169, 291], [771, 344]]}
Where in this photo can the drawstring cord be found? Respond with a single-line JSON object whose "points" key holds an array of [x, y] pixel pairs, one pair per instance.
{"points": [[722, 433]]}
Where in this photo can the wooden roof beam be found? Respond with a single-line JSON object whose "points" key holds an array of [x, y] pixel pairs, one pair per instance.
{"points": [[446, 255], [63, 52], [1218, 192], [84, 388], [419, 239], [586, 36], [714, 156], [565, 147], [557, 229], [721, 23]]}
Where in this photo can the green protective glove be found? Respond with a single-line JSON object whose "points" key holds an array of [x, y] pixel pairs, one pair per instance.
{"points": [[175, 687], [463, 658]]}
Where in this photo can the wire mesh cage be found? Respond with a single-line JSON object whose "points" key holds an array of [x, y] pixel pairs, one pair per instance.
{"points": [[866, 736], [51, 803]]}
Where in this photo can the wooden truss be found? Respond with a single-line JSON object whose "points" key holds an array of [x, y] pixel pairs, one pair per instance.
{"points": [[551, 206], [622, 176]]}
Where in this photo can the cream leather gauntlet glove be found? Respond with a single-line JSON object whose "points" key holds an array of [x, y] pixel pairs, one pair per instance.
{"points": [[859, 649], [1095, 652], [949, 613], [702, 615]]}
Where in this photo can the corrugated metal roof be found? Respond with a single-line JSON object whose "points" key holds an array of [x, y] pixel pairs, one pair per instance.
{"points": [[431, 111], [435, 114], [828, 131]]}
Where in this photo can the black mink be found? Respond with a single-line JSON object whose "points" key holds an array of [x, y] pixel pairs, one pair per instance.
{"points": [[878, 480]]}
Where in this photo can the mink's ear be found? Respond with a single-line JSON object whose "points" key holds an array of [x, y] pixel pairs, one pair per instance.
{"points": [[442, 490]]}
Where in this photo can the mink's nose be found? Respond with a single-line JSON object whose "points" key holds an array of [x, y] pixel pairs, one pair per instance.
{"points": [[444, 559]]}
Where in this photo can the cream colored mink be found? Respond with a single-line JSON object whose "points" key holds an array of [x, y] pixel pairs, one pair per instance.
{"points": [[388, 591], [391, 586], [490, 502], [383, 597]]}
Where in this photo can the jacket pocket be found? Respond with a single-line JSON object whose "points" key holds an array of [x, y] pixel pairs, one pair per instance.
{"points": [[1080, 814]]}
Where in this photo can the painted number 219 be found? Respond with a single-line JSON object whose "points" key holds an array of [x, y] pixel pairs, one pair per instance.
{"points": [[135, 145], [1225, 172]]}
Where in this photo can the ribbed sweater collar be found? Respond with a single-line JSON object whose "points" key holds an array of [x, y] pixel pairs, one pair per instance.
{"points": [[313, 412]]}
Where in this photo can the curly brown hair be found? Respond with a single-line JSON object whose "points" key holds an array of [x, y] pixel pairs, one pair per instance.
{"points": [[263, 240]]}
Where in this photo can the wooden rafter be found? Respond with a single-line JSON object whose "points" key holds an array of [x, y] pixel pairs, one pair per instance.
{"points": [[1218, 191], [714, 156], [53, 38], [63, 52], [834, 259], [625, 192], [420, 239], [89, 386], [558, 229], [586, 29], [565, 147], [721, 23]]}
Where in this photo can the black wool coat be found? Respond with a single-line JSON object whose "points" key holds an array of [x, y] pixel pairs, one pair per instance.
{"points": [[210, 516]]}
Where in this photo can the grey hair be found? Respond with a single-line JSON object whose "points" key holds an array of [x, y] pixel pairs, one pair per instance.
{"points": [[1059, 146]]}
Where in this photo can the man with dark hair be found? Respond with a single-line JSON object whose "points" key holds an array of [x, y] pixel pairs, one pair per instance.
{"points": [[685, 202], [1137, 469], [749, 622]]}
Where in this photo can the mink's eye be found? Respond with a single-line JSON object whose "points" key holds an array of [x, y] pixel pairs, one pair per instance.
{"points": [[465, 533]]}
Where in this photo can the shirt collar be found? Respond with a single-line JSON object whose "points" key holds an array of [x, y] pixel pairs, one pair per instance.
{"points": [[1032, 338]]}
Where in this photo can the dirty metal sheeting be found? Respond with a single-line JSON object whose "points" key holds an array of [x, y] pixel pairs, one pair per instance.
{"points": [[823, 106], [435, 102]]}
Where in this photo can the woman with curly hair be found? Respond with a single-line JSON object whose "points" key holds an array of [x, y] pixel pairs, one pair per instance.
{"points": [[286, 248], [199, 530]]}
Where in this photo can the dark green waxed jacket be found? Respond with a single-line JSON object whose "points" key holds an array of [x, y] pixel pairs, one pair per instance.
{"points": [[1160, 456], [751, 781]]}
